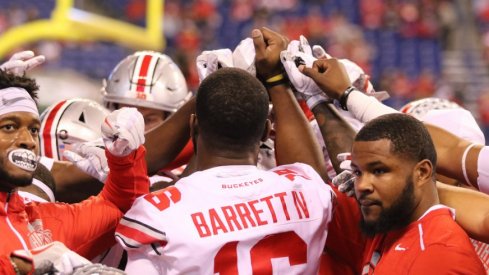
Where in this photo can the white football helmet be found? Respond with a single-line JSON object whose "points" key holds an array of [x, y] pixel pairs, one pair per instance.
{"points": [[419, 108], [146, 79], [67, 122], [448, 115]]}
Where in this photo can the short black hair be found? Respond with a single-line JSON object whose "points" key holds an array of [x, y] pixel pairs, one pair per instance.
{"points": [[8, 80], [231, 108], [409, 137]]}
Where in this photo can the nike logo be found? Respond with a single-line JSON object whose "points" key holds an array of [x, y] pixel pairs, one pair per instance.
{"points": [[399, 248], [12, 100]]}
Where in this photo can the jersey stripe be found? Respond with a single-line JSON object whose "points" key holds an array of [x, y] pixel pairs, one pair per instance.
{"points": [[139, 231], [135, 238]]}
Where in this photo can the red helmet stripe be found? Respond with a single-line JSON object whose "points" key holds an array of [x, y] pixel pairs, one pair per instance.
{"points": [[406, 108], [49, 140], [142, 80]]}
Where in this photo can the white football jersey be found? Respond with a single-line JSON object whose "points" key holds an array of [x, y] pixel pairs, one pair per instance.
{"points": [[231, 220]]}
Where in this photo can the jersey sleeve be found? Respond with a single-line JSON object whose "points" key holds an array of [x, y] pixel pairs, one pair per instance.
{"points": [[6, 266], [345, 240], [139, 226], [434, 260], [88, 227], [127, 179]]}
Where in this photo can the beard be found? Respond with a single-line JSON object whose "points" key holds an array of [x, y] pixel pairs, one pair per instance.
{"points": [[10, 182], [394, 217]]}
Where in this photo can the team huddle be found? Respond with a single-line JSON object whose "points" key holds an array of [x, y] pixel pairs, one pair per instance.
{"points": [[284, 161]]}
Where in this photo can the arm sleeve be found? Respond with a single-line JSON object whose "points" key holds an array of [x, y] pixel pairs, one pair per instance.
{"points": [[6, 266], [141, 235], [127, 179], [345, 241], [366, 108], [435, 258], [88, 227]]}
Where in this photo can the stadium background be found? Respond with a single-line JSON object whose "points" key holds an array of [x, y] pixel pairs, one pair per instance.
{"points": [[410, 48]]}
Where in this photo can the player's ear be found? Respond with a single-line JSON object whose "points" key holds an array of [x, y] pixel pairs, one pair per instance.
{"points": [[267, 130], [423, 172]]}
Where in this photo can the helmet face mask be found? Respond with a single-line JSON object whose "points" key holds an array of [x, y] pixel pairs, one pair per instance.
{"points": [[67, 122], [146, 79]]}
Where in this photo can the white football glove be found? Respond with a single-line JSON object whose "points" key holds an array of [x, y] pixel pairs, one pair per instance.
{"points": [[244, 56], [209, 61], [90, 158], [345, 181], [21, 62], [123, 131], [53, 258], [299, 53], [356, 74], [319, 52]]}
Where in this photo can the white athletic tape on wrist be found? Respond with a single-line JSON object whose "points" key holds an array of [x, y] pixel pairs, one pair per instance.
{"points": [[366, 108], [464, 157], [483, 170], [15, 99]]}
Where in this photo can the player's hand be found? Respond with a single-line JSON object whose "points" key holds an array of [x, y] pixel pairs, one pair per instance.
{"points": [[90, 158], [297, 53], [268, 45], [244, 56], [21, 62], [123, 131], [329, 75], [356, 74], [345, 180], [210, 61], [319, 53], [53, 258]]}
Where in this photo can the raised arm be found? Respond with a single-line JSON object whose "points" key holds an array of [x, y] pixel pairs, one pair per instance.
{"points": [[295, 140], [337, 134], [457, 158], [167, 140]]}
